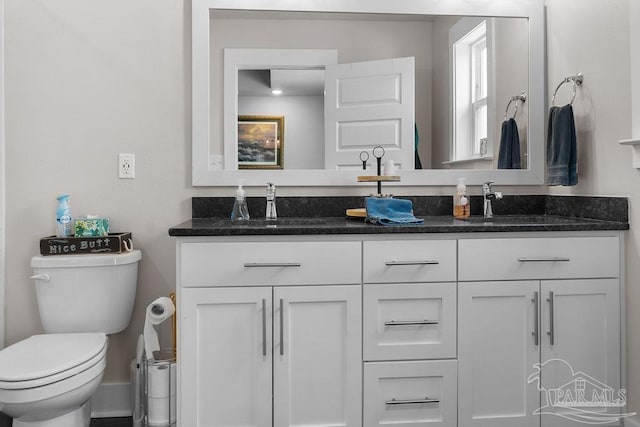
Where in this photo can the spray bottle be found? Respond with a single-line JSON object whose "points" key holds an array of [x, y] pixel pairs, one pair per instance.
{"points": [[240, 210], [64, 218], [461, 205]]}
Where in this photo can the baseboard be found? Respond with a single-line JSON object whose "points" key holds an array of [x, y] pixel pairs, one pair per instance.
{"points": [[632, 421], [111, 400]]}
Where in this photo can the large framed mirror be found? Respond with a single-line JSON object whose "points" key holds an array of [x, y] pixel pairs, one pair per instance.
{"points": [[472, 66]]}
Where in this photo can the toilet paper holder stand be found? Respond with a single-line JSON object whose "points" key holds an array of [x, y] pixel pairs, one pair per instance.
{"points": [[158, 391]]}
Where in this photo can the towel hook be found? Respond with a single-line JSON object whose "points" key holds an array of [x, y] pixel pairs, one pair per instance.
{"points": [[575, 82], [522, 97]]}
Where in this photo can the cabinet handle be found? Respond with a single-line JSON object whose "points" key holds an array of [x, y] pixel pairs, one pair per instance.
{"points": [[551, 333], [271, 264], [549, 259], [281, 327], [264, 326], [411, 401], [423, 262], [410, 322], [536, 307]]}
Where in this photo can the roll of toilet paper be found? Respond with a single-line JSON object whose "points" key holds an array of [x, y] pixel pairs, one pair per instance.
{"points": [[161, 410], [162, 380], [157, 312]]}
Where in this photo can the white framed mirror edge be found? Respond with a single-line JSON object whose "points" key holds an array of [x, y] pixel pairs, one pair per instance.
{"points": [[204, 173]]}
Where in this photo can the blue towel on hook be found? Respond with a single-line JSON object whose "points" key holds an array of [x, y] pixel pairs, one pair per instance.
{"points": [[509, 154], [390, 211], [562, 157]]}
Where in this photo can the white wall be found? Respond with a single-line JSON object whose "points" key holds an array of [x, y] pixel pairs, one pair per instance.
{"points": [[634, 21], [85, 81]]}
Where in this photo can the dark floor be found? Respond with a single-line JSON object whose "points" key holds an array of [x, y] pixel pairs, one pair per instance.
{"points": [[112, 422], [96, 422]]}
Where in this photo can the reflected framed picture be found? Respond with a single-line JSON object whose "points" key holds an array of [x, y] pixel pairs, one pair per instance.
{"points": [[260, 142]]}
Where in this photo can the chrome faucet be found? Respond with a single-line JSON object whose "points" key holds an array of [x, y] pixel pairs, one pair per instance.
{"points": [[488, 195], [271, 202]]}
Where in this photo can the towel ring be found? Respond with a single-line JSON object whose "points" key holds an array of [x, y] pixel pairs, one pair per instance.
{"points": [[522, 97], [575, 82]]}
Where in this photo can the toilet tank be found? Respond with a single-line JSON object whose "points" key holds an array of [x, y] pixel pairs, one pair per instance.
{"points": [[86, 293]]}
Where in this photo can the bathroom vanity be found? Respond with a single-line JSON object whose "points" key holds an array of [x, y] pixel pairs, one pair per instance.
{"points": [[328, 321]]}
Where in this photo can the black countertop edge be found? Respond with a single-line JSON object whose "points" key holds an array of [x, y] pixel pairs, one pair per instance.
{"points": [[432, 224]]}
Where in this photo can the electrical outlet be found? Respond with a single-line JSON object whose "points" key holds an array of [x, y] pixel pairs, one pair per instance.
{"points": [[126, 165]]}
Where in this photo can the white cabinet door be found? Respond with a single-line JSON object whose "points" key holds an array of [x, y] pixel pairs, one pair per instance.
{"points": [[496, 353], [580, 350], [226, 359], [317, 356]]}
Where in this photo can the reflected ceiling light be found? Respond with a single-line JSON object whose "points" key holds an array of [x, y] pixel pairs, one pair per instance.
{"points": [[276, 92]]}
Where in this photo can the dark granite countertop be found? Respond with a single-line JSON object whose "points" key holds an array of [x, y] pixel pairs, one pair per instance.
{"points": [[315, 216]]}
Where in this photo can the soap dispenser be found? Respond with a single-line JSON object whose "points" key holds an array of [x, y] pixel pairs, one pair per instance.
{"points": [[240, 210], [461, 205]]}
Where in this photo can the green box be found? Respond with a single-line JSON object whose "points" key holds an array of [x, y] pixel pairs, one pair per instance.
{"points": [[91, 227]]}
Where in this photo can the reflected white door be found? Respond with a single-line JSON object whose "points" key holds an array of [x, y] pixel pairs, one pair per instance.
{"points": [[368, 104]]}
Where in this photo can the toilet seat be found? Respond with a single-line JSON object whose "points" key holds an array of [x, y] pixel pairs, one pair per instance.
{"points": [[45, 359]]}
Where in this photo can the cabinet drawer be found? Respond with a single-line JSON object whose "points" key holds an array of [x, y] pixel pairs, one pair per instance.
{"points": [[410, 261], [409, 321], [269, 263], [410, 394], [538, 258]]}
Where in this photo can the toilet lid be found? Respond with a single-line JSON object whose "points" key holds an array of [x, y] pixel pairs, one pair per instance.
{"points": [[42, 358]]}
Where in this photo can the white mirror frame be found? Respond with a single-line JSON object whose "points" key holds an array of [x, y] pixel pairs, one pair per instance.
{"points": [[205, 174]]}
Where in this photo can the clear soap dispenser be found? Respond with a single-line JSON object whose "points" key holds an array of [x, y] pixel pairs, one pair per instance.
{"points": [[240, 210], [461, 205]]}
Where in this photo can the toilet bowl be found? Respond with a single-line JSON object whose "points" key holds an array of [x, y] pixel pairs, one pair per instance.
{"points": [[47, 380]]}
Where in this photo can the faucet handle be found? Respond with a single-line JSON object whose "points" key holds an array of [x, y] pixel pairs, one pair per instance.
{"points": [[486, 187]]}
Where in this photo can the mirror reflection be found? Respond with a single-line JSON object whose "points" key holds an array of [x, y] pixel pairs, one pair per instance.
{"points": [[466, 73]]}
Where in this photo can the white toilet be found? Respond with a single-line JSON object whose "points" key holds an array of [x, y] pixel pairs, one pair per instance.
{"points": [[48, 380]]}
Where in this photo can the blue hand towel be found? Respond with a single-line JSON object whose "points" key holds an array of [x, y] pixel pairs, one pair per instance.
{"points": [[390, 211], [509, 154], [562, 158]]}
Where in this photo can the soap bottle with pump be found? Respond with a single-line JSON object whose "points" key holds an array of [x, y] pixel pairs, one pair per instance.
{"points": [[64, 219], [240, 210], [461, 205]]}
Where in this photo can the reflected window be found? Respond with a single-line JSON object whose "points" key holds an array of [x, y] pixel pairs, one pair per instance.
{"points": [[470, 78]]}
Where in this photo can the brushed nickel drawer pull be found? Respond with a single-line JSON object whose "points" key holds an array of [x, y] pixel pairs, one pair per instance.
{"points": [[264, 326], [281, 327], [410, 322], [423, 262], [271, 264], [550, 259], [411, 401], [536, 307], [552, 332]]}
